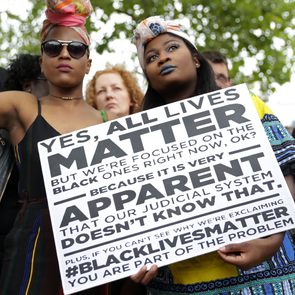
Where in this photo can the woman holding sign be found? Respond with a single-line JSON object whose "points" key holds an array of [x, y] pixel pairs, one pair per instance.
{"points": [[30, 263], [175, 70]]}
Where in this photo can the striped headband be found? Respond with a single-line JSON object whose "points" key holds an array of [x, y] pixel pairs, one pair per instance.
{"points": [[68, 13]]}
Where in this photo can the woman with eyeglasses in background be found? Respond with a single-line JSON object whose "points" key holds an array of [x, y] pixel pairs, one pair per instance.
{"points": [[30, 264]]}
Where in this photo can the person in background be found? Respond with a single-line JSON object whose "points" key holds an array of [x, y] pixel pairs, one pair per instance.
{"points": [[8, 189], [23, 74], [30, 263], [176, 70], [114, 91], [3, 77], [219, 64]]}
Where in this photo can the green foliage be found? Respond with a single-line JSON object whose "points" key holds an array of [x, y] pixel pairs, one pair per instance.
{"points": [[248, 32], [19, 35]]}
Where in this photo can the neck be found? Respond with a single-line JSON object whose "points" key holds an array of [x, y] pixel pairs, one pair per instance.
{"points": [[179, 92], [66, 97], [176, 96]]}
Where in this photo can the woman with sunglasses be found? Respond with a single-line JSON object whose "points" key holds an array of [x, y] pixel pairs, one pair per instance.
{"points": [[175, 70], [30, 264]]}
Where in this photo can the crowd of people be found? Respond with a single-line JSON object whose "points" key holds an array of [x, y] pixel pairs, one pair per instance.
{"points": [[39, 91]]}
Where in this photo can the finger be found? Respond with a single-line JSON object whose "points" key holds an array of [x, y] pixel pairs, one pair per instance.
{"points": [[150, 275], [231, 258], [139, 275], [233, 248]]}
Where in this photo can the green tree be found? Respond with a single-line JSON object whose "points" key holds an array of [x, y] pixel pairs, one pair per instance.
{"points": [[252, 34]]}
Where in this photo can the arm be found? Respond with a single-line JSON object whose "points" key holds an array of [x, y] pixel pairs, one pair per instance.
{"points": [[7, 108], [248, 254], [16, 112]]}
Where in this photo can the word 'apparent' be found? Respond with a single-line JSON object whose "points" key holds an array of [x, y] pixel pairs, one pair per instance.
{"points": [[198, 178], [194, 125]]}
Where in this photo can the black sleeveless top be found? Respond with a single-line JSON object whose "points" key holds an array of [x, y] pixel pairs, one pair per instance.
{"points": [[31, 184]]}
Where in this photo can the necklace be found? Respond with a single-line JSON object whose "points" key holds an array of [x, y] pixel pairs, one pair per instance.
{"points": [[66, 97]]}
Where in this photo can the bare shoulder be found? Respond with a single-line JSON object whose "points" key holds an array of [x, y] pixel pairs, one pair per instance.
{"points": [[94, 114], [16, 107], [14, 100]]}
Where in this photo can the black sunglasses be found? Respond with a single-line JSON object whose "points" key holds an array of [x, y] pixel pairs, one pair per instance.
{"points": [[53, 48]]}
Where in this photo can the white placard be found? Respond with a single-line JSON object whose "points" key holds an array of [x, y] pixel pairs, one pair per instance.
{"points": [[161, 186]]}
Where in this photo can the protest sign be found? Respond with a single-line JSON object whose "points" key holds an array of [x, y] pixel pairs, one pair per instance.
{"points": [[162, 186]]}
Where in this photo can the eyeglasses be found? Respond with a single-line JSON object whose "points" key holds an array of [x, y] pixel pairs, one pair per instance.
{"points": [[53, 48], [222, 78]]}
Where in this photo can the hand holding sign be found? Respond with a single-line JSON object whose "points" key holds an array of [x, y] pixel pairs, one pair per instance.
{"points": [[188, 204]]}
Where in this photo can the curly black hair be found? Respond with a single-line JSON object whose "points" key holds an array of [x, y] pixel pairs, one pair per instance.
{"points": [[3, 77], [24, 68]]}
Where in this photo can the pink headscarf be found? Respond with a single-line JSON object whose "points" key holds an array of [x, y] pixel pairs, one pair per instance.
{"points": [[68, 13], [153, 26]]}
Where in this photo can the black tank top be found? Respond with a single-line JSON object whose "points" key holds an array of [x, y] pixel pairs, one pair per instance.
{"points": [[31, 185]]}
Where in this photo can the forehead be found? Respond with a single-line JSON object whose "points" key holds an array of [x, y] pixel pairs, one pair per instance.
{"points": [[219, 68], [63, 33], [109, 78], [161, 40]]}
